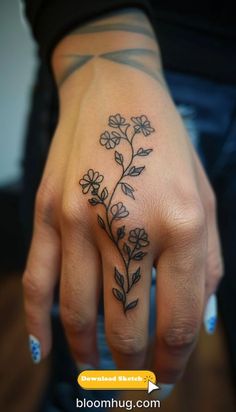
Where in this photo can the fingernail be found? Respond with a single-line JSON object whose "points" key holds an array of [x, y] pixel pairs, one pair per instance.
{"points": [[210, 316], [165, 390], [35, 349], [84, 366]]}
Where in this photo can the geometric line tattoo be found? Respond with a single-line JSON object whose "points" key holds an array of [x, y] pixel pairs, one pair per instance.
{"points": [[77, 62], [129, 245], [114, 27], [129, 57]]}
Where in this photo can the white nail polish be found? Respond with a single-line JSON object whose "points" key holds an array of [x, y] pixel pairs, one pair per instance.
{"points": [[210, 316], [35, 349], [84, 366], [165, 390]]}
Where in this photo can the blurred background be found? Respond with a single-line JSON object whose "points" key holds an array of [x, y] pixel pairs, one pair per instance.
{"points": [[208, 383], [21, 385], [18, 65]]}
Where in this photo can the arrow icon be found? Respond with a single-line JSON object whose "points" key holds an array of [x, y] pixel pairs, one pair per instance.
{"points": [[152, 387]]}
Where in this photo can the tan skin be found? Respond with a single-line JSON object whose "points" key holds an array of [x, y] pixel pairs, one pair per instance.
{"points": [[175, 203]]}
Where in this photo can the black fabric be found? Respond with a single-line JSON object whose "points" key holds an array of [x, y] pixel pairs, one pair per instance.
{"points": [[194, 37], [52, 19]]}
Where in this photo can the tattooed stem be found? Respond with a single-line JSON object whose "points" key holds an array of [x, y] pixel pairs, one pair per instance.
{"points": [[110, 221], [132, 155], [113, 238], [124, 170]]}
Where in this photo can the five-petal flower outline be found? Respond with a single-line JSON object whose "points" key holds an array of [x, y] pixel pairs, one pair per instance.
{"points": [[139, 237], [109, 140], [91, 180], [142, 125]]}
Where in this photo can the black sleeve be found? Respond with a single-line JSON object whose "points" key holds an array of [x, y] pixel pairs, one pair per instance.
{"points": [[50, 20]]}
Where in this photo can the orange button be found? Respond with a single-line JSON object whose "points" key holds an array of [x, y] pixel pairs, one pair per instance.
{"points": [[116, 379]]}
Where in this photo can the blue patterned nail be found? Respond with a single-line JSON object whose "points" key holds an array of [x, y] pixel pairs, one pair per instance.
{"points": [[165, 390], [210, 317], [35, 349]]}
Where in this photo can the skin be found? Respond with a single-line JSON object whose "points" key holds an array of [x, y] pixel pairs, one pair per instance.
{"points": [[174, 202]]}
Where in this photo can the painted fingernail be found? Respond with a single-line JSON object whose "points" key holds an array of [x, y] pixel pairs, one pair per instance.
{"points": [[35, 349], [84, 366], [210, 316], [165, 390]]}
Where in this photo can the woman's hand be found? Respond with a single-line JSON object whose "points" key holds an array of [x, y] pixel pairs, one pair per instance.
{"points": [[122, 191]]}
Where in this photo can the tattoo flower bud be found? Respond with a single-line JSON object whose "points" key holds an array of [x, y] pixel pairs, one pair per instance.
{"points": [[139, 237], [109, 140], [142, 124], [116, 121], [91, 180], [119, 211]]}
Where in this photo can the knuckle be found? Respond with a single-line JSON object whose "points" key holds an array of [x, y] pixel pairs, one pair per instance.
{"points": [[72, 210], [34, 289], [181, 337], [74, 322], [45, 201], [189, 222], [126, 343]]}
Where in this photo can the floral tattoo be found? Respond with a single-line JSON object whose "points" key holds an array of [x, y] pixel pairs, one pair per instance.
{"points": [[129, 245]]}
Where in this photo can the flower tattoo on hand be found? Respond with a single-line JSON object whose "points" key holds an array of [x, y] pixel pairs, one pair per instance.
{"points": [[91, 180], [129, 245], [142, 124], [109, 140]]}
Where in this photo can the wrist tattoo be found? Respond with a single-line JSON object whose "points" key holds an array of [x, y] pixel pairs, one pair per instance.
{"points": [[129, 245], [144, 59]]}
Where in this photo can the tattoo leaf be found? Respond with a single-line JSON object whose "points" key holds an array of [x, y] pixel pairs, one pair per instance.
{"points": [[139, 255], [104, 194], [131, 305], [136, 276], [135, 171], [143, 152], [101, 222], [119, 278], [118, 294], [121, 232], [127, 249], [119, 158], [93, 201], [127, 190]]}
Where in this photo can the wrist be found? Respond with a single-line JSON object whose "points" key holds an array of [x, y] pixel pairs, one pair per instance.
{"points": [[123, 38]]}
